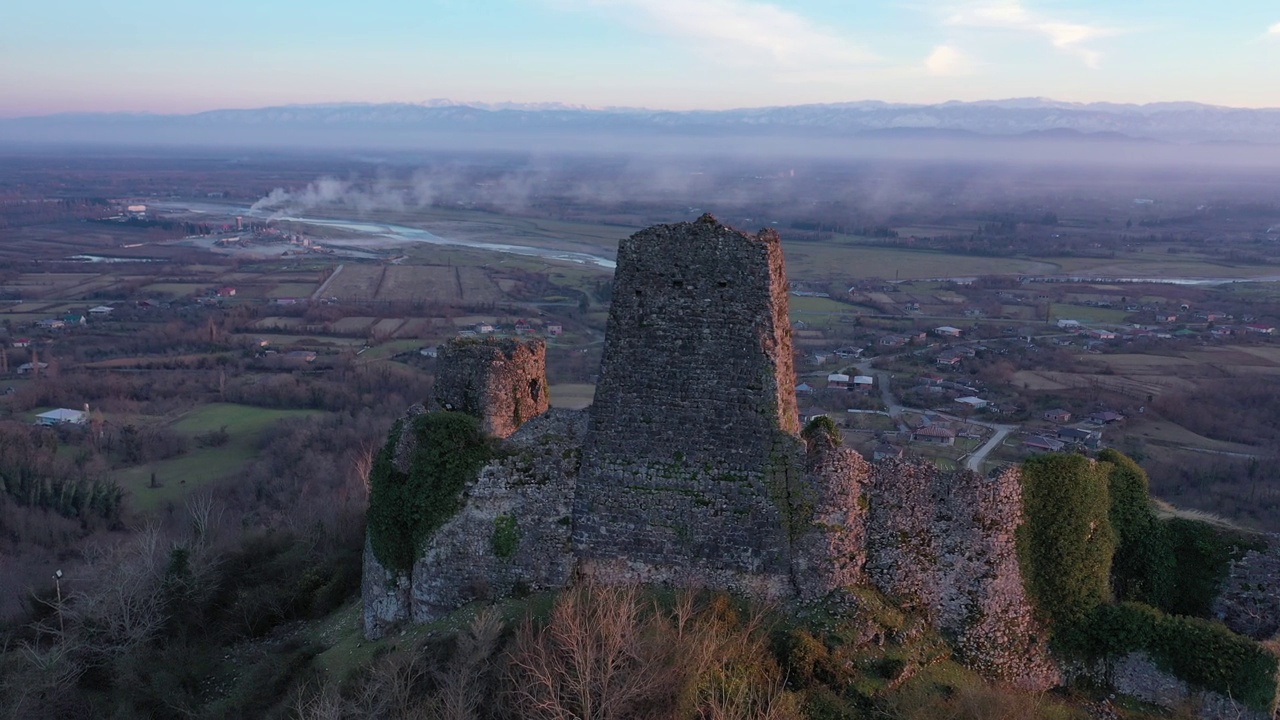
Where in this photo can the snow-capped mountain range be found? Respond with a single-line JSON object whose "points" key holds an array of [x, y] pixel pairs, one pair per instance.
{"points": [[389, 123]]}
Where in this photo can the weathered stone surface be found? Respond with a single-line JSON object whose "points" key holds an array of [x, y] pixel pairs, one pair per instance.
{"points": [[831, 551], [503, 382], [384, 595], [691, 448], [532, 489], [943, 544], [1250, 600]]}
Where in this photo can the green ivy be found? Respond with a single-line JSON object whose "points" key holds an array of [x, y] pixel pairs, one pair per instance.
{"points": [[1143, 568], [407, 508], [1066, 544], [506, 536], [1200, 652]]}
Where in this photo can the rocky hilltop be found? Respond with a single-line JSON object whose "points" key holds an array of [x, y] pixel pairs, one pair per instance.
{"points": [[689, 468]]}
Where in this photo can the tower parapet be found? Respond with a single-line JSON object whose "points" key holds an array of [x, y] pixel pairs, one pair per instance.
{"points": [[501, 381]]}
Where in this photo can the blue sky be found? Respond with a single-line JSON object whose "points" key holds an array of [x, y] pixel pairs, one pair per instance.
{"points": [[183, 56]]}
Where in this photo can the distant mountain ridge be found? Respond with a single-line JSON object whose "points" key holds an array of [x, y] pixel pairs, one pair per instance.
{"points": [[1177, 122]]}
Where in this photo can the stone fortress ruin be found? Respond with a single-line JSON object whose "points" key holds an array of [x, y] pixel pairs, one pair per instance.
{"points": [[690, 468]]}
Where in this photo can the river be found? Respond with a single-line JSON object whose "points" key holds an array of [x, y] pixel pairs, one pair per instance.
{"points": [[396, 232]]}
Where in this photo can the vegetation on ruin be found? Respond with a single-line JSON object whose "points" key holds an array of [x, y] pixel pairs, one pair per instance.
{"points": [[1085, 517], [406, 508], [1066, 544], [506, 536]]}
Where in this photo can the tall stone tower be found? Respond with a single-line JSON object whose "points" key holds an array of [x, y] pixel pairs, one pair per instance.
{"points": [[692, 448], [502, 382]]}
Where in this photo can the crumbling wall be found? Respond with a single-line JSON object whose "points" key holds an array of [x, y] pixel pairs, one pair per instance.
{"points": [[830, 551], [691, 449], [1250, 600], [943, 544], [512, 537], [501, 381], [1137, 675]]}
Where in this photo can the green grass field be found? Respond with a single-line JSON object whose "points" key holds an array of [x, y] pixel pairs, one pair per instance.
{"points": [[820, 305], [180, 476], [1085, 313]]}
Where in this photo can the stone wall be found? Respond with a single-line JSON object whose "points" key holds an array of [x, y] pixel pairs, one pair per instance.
{"points": [[501, 381], [943, 544], [1250, 600], [526, 494], [691, 452], [1138, 676], [830, 551], [527, 490]]}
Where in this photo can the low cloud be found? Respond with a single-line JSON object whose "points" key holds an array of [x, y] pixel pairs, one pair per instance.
{"points": [[740, 32], [948, 61], [1012, 15], [1274, 31]]}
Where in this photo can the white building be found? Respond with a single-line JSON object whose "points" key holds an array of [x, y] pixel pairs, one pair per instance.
{"points": [[62, 416]]}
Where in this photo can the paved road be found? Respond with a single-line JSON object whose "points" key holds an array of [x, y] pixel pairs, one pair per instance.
{"points": [[974, 462]]}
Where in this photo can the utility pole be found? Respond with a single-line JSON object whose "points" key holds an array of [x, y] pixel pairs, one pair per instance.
{"points": [[57, 584]]}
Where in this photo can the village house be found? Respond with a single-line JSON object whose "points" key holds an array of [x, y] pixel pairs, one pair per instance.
{"points": [[227, 291], [1088, 438], [1105, 417], [804, 388], [1069, 325], [1260, 328], [1042, 444], [62, 416], [848, 353], [837, 381], [863, 382], [893, 340], [949, 361], [1057, 415], [948, 331], [555, 330], [934, 435], [101, 310], [1100, 334], [976, 403], [25, 368], [22, 342]]}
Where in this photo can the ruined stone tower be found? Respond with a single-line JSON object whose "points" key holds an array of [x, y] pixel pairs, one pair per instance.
{"points": [[692, 444], [502, 382]]}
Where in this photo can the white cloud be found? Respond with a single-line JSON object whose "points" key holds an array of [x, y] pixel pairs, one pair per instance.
{"points": [[740, 32], [1274, 30], [1012, 15], [948, 61]]}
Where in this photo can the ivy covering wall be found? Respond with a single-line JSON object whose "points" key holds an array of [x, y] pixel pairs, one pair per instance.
{"points": [[406, 508]]}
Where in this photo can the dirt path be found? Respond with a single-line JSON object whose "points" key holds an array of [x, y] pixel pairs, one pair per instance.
{"points": [[320, 290]]}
